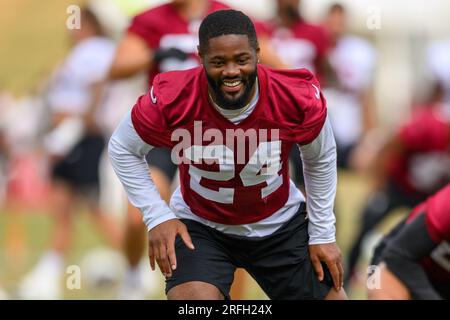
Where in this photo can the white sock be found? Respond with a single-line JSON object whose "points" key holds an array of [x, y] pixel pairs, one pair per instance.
{"points": [[133, 276], [51, 261]]}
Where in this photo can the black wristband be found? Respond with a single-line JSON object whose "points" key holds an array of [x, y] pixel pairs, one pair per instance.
{"points": [[162, 54]]}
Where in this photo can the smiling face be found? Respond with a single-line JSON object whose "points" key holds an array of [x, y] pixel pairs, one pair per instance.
{"points": [[230, 65]]}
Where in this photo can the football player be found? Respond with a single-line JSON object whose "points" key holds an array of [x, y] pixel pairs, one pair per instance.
{"points": [[231, 124], [413, 259], [412, 165]]}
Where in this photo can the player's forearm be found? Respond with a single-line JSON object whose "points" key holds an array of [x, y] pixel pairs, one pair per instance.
{"points": [[368, 110], [127, 151], [319, 168], [268, 56], [97, 90], [126, 69], [132, 56], [379, 166]]}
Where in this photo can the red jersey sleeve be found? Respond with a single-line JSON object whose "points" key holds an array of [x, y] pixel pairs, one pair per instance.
{"points": [[438, 215], [298, 103], [309, 105], [314, 114], [149, 121], [322, 42]]}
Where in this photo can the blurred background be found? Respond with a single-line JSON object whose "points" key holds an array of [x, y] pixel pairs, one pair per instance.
{"points": [[384, 67]]}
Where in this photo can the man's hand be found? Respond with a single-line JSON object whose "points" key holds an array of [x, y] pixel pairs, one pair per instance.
{"points": [[161, 245], [331, 255]]}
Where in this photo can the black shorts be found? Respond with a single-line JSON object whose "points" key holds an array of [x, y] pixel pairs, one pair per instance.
{"points": [[295, 160], [442, 288], [161, 158], [80, 167], [381, 246], [279, 263], [343, 154]]}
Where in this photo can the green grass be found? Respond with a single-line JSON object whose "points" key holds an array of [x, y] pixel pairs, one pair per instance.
{"points": [[34, 38], [36, 231], [353, 190]]}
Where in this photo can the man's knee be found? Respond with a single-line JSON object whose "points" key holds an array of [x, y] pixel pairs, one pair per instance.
{"points": [[195, 290]]}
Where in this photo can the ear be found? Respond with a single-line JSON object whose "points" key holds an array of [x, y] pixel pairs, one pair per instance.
{"points": [[258, 52]]}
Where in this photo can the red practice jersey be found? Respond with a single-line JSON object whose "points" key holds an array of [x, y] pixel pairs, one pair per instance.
{"points": [[424, 165], [238, 172], [162, 27], [437, 211], [303, 45]]}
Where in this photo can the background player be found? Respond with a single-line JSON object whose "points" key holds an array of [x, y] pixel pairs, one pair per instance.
{"points": [[75, 145], [413, 259], [349, 81], [298, 44], [412, 165]]}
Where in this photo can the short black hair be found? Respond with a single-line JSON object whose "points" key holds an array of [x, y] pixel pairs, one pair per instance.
{"points": [[225, 22], [336, 7]]}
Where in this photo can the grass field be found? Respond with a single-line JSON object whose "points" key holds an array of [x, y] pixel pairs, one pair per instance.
{"points": [[18, 253], [33, 38]]}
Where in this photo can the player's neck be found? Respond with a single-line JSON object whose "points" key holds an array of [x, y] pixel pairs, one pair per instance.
{"points": [[288, 18], [194, 9], [334, 38]]}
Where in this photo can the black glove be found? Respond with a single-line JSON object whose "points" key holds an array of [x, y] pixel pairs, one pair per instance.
{"points": [[162, 54]]}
